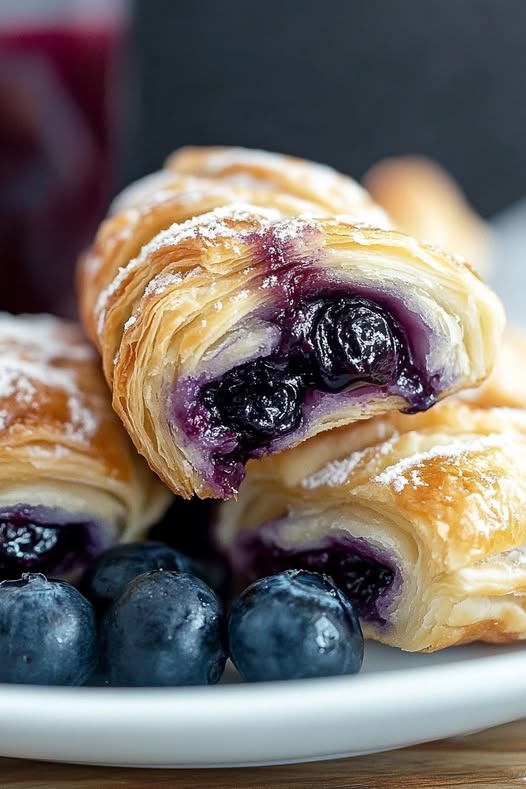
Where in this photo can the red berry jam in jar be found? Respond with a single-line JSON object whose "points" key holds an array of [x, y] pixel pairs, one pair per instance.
{"points": [[62, 65]]}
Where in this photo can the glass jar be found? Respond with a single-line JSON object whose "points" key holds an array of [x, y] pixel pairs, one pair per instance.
{"points": [[62, 69]]}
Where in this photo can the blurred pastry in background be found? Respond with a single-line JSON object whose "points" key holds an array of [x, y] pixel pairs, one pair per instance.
{"points": [[424, 201], [506, 386]]}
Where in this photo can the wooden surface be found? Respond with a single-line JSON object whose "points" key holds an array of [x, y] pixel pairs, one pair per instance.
{"points": [[491, 759]]}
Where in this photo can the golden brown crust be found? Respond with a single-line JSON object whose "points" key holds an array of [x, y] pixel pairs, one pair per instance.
{"points": [[261, 170], [122, 237], [425, 202], [445, 491], [60, 441], [177, 276]]}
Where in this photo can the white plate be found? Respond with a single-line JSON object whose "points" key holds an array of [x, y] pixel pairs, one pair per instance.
{"points": [[399, 699]]}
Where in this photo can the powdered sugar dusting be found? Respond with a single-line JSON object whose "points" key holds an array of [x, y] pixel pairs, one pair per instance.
{"points": [[15, 381], [31, 350], [52, 338], [290, 229], [321, 178], [311, 180], [21, 379], [241, 296], [399, 475], [138, 190], [399, 484], [218, 161], [208, 228], [165, 185], [417, 481], [83, 422], [334, 473], [270, 282], [394, 475], [159, 284]]}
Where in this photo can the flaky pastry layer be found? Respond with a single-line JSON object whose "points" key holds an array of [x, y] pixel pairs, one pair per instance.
{"points": [[201, 271], [64, 456]]}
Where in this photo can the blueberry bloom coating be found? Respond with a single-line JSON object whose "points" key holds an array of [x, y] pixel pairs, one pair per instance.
{"points": [[167, 628], [108, 576], [293, 625], [48, 633]]}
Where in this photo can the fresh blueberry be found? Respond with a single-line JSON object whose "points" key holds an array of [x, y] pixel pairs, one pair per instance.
{"points": [[196, 541], [167, 628], [257, 400], [108, 576], [293, 625], [48, 633], [353, 341]]}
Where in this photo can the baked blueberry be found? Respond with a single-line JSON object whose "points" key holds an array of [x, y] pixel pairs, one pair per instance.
{"points": [[353, 342], [26, 544], [363, 580], [109, 574], [335, 343], [257, 400], [293, 625], [29, 545], [48, 633], [167, 628], [327, 345]]}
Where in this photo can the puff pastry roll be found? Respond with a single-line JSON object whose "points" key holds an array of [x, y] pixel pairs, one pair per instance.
{"points": [[243, 328], [316, 187], [274, 172], [71, 483], [420, 519], [424, 201]]}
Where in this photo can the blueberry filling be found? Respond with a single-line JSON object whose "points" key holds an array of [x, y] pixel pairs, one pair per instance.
{"points": [[348, 342], [367, 578], [259, 400], [26, 544], [328, 345]]}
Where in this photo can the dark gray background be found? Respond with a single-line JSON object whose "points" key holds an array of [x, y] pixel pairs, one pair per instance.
{"points": [[340, 81]]}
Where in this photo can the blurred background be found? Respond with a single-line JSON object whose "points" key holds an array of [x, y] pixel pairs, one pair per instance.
{"points": [[94, 93]]}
